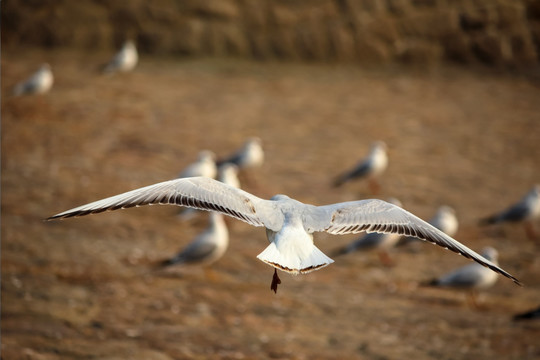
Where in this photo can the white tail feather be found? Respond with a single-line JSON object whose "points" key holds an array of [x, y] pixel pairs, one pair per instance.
{"points": [[292, 260]]}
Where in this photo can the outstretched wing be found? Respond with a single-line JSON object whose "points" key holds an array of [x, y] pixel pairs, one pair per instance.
{"points": [[382, 217], [198, 192]]}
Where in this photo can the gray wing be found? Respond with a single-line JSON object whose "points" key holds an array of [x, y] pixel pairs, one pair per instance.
{"points": [[369, 241], [382, 217], [198, 192], [515, 213], [232, 159], [360, 171], [193, 253]]}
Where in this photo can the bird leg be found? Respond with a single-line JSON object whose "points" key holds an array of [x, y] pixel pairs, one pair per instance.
{"points": [[385, 258], [472, 299], [374, 186], [275, 281], [210, 274], [531, 232]]}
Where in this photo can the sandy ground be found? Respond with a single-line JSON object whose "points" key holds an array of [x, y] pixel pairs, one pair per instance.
{"points": [[82, 289]]}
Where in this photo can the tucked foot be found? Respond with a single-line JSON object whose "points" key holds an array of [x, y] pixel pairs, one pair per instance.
{"points": [[275, 281]]}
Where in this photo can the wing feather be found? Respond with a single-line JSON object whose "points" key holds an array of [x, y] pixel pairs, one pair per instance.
{"points": [[382, 217], [199, 193]]}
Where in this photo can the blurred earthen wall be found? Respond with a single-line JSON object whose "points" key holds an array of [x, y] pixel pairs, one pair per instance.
{"points": [[494, 32]]}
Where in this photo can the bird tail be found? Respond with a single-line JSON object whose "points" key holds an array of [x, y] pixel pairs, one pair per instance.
{"points": [[432, 282], [295, 259], [528, 315], [161, 264], [493, 219], [339, 181]]}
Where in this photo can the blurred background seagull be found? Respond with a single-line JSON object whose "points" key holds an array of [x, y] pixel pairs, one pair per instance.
{"points": [[206, 248], [471, 277], [526, 210], [370, 167], [125, 60], [380, 241], [289, 223], [39, 83], [228, 174], [250, 155], [528, 315], [205, 166]]}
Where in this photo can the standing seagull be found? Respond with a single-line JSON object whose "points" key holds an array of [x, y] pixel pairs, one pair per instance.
{"points": [[228, 174], [445, 220], [471, 277], [250, 155], [125, 60], [370, 167], [207, 248], [526, 210], [289, 223], [205, 166], [39, 83], [380, 241]]}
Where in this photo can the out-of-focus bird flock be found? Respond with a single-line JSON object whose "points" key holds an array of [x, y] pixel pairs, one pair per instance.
{"points": [[240, 169], [212, 244]]}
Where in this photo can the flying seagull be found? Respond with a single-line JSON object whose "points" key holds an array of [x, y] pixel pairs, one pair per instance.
{"points": [[370, 167], [39, 83], [526, 210], [125, 60], [208, 247], [289, 223]]}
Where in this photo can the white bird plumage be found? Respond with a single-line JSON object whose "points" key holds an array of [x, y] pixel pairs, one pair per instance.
{"points": [[380, 241], [125, 60], [205, 166], [39, 83], [445, 220], [250, 155], [228, 174], [290, 224], [208, 247]]}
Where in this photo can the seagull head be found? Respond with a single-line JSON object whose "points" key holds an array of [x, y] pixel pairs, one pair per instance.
{"points": [[445, 209], [207, 155], [490, 253]]}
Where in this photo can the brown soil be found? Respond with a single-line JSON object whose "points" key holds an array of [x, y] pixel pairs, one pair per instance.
{"points": [[81, 288]]}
